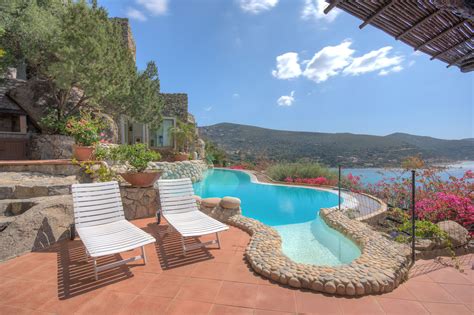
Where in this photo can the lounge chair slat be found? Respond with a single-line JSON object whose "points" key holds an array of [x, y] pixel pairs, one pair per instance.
{"points": [[180, 210]]}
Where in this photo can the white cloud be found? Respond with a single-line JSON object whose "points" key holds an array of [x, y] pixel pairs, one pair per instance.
{"points": [[286, 100], [236, 95], [208, 109], [287, 66], [257, 6], [314, 9], [335, 60], [135, 14], [373, 61], [155, 7], [391, 70], [328, 62]]}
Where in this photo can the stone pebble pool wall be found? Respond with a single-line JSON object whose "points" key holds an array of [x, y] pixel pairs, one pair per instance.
{"points": [[382, 266]]}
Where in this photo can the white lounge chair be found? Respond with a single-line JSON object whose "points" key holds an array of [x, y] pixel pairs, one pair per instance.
{"points": [[100, 222], [179, 208]]}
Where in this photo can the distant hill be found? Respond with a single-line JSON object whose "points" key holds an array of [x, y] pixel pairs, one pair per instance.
{"points": [[251, 143]]}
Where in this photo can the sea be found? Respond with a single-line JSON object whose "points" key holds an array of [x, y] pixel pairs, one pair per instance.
{"points": [[374, 175]]}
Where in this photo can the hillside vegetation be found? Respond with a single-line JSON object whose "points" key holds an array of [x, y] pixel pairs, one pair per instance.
{"points": [[249, 143]]}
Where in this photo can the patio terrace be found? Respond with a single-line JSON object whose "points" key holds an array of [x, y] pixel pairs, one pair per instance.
{"points": [[206, 281]]}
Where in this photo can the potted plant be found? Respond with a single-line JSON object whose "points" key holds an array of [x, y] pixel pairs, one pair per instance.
{"points": [[137, 156], [184, 134], [85, 130]]}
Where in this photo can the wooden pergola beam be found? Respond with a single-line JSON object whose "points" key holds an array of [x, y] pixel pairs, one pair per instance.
{"points": [[451, 48], [420, 22], [331, 6], [377, 13], [440, 35], [471, 54]]}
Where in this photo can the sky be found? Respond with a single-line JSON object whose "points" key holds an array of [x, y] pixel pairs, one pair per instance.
{"points": [[284, 64]]}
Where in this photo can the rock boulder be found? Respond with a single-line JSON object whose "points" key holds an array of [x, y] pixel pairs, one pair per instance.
{"points": [[37, 228], [457, 234]]}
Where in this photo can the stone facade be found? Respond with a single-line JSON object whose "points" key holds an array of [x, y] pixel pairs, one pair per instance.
{"points": [[175, 105], [127, 35], [187, 169], [139, 202], [50, 147]]}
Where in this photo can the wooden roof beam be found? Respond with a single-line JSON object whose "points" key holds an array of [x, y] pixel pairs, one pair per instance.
{"points": [[420, 22], [451, 48], [467, 56], [440, 35], [377, 13], [331, 6]]}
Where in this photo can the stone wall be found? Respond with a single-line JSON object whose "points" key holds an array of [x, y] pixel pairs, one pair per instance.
{"points": [[221, 209], [175, 105], [139, 202], [57, 169], [50, 147], [187, 169], [127, 35]]}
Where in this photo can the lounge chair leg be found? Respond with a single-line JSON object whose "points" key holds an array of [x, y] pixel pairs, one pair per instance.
{"points": [[218, 241], [96, 276], [143, 255], [184, 247]]}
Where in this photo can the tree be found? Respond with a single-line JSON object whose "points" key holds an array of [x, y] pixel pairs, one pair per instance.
{"points": [[144, 102], [413, 162], [184, 134], [215, 155], [80, 52]]}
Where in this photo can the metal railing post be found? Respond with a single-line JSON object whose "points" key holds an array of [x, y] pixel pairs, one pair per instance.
{"points": [[339, 187], [413, 188]]}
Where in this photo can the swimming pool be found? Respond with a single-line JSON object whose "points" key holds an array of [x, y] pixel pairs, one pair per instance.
{"points": [[292, 211]]}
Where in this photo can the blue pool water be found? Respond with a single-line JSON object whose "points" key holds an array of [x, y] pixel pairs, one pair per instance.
{"points": [[292, 211]]}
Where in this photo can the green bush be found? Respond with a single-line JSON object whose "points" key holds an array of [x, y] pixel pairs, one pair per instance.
{"points": [[137, 155], [424, 229], [281, 171]]}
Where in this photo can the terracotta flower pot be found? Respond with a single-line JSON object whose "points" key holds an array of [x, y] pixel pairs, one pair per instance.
{"points": [[82, 153], [141, 179], [181, 157]]}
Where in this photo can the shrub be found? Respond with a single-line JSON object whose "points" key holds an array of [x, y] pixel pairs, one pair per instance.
{"points": [[282, 171], [137, 155], [436, 199], [84, 128], [446, 206], [312, 181]]}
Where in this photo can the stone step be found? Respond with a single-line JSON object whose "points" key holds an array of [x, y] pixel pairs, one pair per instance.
{"points": [[32, 191]]}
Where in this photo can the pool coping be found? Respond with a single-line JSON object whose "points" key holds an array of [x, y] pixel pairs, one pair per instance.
{"points": [[381, 267], [255, 180], [349, 201]]}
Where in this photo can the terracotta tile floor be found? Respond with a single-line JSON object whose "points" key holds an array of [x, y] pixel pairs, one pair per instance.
{"points": [[206, 281]]}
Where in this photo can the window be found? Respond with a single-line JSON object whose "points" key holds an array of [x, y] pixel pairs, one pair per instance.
{"points": [[9, 123], [161, 137]]}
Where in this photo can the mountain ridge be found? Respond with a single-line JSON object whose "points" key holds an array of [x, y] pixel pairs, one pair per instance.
{"points": [[247, 142]]}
